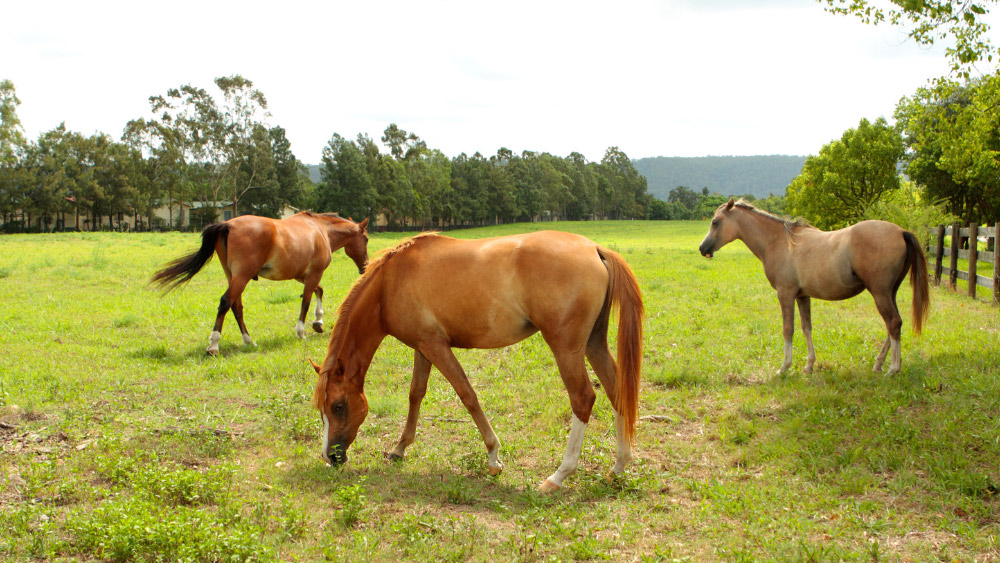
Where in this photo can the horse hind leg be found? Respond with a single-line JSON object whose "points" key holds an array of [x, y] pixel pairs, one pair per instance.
{"points": [[418, 388], [886, 304], [581, 399], [603, 363], [236, 288], [220, 318], [805, 315]]}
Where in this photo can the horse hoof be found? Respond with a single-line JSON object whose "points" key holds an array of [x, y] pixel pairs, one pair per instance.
{"points": [[212, 352], [494, 471], [393, 457], [611, 477], [318, 327], [548, 486]]}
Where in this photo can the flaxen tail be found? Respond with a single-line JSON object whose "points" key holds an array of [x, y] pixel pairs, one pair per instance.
{"points": [[918, 280], [623, 292], [184, 268]]}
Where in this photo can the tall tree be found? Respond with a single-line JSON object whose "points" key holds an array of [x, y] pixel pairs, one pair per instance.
{"points": [[848, 176]]}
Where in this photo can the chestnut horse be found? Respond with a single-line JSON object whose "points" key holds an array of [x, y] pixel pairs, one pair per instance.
{"points": [[435, 293], [295, 248], [802, 262]]}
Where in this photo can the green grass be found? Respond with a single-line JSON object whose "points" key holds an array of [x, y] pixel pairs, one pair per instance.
{"points": [[122, 441]]}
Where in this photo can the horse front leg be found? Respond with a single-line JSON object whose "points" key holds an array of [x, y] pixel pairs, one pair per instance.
{"points": [[440, 355], [418, 388], [318, 323], [310, 284], [805, 314], [787, 301]]}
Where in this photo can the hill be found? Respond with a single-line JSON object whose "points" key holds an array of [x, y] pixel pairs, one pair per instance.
{"points": [[726, 175]]}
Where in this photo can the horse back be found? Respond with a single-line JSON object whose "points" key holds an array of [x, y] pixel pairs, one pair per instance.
{"points": [[490, 293], [274, 249]]}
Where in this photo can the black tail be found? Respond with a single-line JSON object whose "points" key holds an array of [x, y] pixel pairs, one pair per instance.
{"points": [[184, 268]]}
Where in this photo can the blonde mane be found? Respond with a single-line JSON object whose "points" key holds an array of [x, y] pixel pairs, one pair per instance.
{"points": [[340, 327]]}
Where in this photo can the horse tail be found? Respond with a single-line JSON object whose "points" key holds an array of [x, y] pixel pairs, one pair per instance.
{"points": [[918, 280], [184, 268], [623, 292]]}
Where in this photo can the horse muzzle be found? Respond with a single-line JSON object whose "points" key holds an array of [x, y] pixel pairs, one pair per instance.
{"points": [[706, 250], [337, 454]]}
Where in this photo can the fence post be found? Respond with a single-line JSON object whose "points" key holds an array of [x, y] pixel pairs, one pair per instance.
{"points": [[996, 264], [973, 256], [939, 255], [956, 240]]}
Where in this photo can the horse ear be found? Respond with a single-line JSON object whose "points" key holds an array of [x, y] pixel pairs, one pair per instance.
{"points": [[730, 204], [314, 365], [363, 224]]}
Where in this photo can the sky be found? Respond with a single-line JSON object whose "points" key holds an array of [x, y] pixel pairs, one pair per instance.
{"points": [[653, 78]]}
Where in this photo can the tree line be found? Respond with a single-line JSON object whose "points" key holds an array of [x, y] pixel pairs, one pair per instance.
{"points": [[219, 150]]}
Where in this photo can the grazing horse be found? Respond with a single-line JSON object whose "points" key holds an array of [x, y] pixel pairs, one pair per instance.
{"points": [[295, 248], [435, 293], [802, 262]]}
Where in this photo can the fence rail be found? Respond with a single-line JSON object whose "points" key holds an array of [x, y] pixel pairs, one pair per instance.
{"points": [[973, 234]]}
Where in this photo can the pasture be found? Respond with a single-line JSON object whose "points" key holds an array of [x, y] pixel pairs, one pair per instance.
{"points": [[121, 440]]}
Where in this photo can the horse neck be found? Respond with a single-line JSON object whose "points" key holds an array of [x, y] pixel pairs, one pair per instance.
{"points": [[362, 331], [759, 232], [338, 231]]}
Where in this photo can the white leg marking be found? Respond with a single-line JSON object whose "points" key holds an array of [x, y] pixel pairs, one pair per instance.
{"points": [[247, 341], [300, 329], [572, 457], [213, 342], [788, 358], [326, 439], [897, 359], [624, 449], [319, 310], [493, 456]]}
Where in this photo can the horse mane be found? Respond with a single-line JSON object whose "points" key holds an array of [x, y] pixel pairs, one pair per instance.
{"points": [[791, 226], [336, 345], [316, 215]]}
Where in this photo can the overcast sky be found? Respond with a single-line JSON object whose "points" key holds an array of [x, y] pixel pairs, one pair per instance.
{"points": [[654, 78]]}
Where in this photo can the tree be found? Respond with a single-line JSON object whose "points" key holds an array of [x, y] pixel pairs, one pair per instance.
{"points": [[928, 21], [346, 186], [953, 145], [848, 176], [13, 147]]}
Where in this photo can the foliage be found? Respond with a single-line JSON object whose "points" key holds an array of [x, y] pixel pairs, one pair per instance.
{"points": [[953, 145], [930, 21], [910, 208], [848, 176]]}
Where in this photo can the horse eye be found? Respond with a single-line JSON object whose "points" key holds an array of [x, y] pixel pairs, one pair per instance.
{"points": [[715, 222], [338, 408]]}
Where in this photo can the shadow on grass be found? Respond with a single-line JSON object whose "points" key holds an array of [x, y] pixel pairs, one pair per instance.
{"points": [[930, 430], [169, 355]]}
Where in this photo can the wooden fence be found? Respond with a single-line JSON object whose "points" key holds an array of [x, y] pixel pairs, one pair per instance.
{"points": [[954, 251]]}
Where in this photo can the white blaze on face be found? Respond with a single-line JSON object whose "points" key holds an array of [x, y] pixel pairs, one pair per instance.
{"points": [[326, 438]]}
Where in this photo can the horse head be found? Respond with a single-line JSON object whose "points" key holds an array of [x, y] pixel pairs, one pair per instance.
{"points": [[722, 231], [357, 246], [341, 401]]}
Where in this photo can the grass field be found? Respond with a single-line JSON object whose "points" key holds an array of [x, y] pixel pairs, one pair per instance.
{"points": [[122, 441]]}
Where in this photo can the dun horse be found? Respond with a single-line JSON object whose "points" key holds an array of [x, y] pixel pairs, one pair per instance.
{"points": [[802, 262], [296, 248], [435, 293]]}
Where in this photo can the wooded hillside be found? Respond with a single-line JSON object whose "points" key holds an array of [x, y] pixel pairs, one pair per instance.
{"points": [[726, 175]]}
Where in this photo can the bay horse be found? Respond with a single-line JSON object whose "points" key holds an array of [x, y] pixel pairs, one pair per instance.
{"points": [[434, 293], [802, 262], [250, 247]]}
